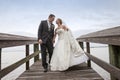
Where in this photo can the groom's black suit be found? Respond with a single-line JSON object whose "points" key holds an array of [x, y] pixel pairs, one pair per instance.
{"points": [[46, 34]]}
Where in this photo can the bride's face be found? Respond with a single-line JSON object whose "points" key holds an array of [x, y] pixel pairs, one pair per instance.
{"points": [[57, 22]]}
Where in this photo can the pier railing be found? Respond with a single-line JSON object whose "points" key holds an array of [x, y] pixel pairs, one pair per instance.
{"points": [[8, 40], [112, 38]]}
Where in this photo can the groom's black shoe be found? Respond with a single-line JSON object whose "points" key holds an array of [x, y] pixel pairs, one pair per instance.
{"points": [[45, 70]]}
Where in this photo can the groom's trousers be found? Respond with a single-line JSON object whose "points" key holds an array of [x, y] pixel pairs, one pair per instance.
{"points": [[46, 48]]}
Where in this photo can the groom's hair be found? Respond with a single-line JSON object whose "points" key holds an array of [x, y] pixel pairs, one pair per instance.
{"points": [[51, 15]]}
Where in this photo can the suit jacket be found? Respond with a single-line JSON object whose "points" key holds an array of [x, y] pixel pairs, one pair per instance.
{"points": [[44, 32]]}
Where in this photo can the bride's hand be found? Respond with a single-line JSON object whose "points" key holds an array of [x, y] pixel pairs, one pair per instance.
{"points": [[40, 41], [65, 28]]}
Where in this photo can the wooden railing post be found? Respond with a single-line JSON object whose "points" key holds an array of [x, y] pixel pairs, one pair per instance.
{"points": [[36, 48], [27, 53], [114, 56], [0, 58], [88, 51], [81, 45]]}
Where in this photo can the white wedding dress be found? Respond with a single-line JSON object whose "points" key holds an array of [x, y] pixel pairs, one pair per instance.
{"points": [[67, 52]]}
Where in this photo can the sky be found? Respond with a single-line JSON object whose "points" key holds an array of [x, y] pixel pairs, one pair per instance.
{"points": [[81, 16]]}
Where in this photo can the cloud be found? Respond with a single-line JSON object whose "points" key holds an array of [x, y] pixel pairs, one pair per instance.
{"points": [[25, 15]]}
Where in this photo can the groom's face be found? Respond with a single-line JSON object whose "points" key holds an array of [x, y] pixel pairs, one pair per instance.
{"points": [[51, 19]]}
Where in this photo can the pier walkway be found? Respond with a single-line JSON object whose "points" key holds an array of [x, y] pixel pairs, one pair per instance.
{"points": [[81, 72]]}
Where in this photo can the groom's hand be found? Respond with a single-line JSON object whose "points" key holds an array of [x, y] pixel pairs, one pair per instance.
{"points": [[53, 41], [40, 41]]}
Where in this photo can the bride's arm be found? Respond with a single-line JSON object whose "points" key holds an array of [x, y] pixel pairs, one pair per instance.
{"points": [[65, 28]]}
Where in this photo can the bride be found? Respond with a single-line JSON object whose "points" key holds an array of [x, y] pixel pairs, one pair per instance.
{"points": [[67, 51]]}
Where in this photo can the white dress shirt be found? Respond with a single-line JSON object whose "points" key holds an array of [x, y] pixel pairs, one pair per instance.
{"points": [[49, 24]]}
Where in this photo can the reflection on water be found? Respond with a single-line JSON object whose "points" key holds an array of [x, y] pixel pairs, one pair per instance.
{"points": [[12, 55]]}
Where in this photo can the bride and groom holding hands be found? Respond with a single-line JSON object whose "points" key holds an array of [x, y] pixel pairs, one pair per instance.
{"points": [[66, 52]]}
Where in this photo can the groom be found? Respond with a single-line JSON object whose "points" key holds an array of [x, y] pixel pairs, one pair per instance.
{"points": [[45, 38]]}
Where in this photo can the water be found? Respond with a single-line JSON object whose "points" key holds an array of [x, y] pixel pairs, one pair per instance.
{"points": [[101, 53], [14, 54]]}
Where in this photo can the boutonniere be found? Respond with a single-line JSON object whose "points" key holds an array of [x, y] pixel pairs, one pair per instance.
{"points": [[52, 26]]}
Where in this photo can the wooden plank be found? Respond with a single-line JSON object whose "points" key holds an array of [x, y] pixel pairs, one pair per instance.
{"points": [[27, 54], [80, 72], [10, 68], [110, 68], [102, 40], [4, 36], [107, 36], [103, 33], [9, 40], [6, 43]]}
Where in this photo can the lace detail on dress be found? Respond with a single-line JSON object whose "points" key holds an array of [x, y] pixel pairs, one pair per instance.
{"points": [[60, 33]]}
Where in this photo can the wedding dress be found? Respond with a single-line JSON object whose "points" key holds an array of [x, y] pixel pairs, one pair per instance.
{"points": [[67, 52]]}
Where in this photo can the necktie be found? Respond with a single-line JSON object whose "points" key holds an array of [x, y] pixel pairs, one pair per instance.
{"points": [[50, 26]]}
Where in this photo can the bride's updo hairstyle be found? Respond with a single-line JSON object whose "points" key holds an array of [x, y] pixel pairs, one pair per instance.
{"points": [[60, 20]]}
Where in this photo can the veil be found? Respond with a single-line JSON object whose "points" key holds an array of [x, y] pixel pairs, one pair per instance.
{"points": [[74, 45]]}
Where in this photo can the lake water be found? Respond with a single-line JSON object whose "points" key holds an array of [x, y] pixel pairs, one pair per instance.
{"points": [[14, 54]]}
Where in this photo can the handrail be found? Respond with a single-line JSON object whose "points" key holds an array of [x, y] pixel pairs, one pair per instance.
{"points": [[111, 37], [9, 40], [10, 68], [108, 67], [115, 31], [107, 36]]}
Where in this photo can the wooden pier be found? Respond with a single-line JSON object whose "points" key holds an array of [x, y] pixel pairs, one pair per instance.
{"points": [[80, 72]]}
